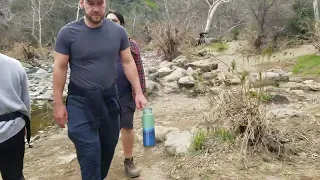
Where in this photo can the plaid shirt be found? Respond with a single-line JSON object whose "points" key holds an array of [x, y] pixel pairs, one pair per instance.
{"points": [[135, 51]]}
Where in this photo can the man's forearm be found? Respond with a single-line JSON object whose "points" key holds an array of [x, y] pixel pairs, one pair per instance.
{"points": [[59, 80], [130, 70]]}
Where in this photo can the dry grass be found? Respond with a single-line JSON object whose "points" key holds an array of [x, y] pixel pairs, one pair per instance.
{"points": [[29, 54], [241, 114], [237, 112]]}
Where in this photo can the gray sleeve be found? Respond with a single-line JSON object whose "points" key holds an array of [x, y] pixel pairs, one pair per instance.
{"points": [[124, 39], [62, 44], [25, 97]]}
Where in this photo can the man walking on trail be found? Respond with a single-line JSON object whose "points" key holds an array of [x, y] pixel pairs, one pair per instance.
{"points": [[92, 45], [14, 117]]}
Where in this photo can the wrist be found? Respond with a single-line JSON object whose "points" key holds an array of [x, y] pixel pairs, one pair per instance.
{"points": [[138, 91], [57, 101]]}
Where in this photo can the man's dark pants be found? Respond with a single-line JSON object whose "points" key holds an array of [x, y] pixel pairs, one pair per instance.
{"points": [[95, 147], [11, 157]]}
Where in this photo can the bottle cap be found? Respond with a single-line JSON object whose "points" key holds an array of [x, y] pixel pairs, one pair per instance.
{"points": [[147, 110]]}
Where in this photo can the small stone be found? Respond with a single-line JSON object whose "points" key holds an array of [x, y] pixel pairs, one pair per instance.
{"points": [[187, 82]]}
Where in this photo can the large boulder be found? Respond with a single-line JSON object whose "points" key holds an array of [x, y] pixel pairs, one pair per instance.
{"points": [[162, 131], [206, 65], [178, 142], [267, 78], [165, 71], [175, 75]]}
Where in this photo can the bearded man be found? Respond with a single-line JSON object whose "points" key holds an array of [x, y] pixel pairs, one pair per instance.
{"points": [[91, 46]]}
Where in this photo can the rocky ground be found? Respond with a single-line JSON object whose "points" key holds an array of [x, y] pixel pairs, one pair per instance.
{"points": [[176, 92]]}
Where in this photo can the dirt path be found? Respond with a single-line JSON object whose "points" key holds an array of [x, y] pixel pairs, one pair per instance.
{"points": [[54, 157]]}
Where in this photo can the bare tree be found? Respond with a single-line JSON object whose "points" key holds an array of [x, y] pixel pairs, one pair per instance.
{"points": [[260, 10], [316, 10], [213, 6], [39, 10], [5, 12]]}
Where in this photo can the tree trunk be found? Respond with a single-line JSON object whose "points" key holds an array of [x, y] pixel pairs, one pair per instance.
{"points": [[40, 24], [316, 10], [78, 11], [33, 20], [211, 13]]}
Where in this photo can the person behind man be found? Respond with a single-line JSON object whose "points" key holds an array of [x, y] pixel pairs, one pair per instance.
{"points": [[14, 117], [126, 95], [91, 45]]}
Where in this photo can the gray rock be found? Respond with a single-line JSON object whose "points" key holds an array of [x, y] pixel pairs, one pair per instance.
{"points": [[152, 70], [204, 65], [294, 86], [312, 85], [209, 75], [180, 61], [283, 113], [175, 75], [153, 76], [279, 71], [280, 99], [297, 92], [41, 71], [178, 142], [171, 87], [235, 81], [164, 72], [166, 64], [295, 79], [161, 132], [187, 82], [189, 71], [150, 86], [267, 78]]}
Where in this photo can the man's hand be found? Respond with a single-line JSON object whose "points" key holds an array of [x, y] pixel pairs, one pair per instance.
{"points": [[141, 101], [60, 115]]}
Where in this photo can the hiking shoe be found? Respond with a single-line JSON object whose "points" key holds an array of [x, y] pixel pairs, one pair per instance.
{"points": [[130, 169]]}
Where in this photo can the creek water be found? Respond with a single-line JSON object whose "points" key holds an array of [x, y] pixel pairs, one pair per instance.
{"points": [[41, 116]]}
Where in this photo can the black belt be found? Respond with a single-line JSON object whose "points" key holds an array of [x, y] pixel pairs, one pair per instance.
{"points": [[14, 115]]}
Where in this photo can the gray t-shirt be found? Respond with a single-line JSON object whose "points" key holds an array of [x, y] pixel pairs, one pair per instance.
{"points": [[92, 52]]}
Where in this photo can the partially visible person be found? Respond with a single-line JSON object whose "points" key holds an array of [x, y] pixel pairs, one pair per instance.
{"points": [[14, 117], [126, 96], [91, 46]]}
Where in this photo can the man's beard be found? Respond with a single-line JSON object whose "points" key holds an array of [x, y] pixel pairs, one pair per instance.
{"points": [[94, 20]]}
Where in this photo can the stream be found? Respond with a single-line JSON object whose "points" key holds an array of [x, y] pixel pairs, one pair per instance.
{"points": [[41, 116]]}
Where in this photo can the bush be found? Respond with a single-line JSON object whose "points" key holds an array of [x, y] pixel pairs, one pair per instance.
{"points": [[169, 37], [238, 115], [299, 24]]}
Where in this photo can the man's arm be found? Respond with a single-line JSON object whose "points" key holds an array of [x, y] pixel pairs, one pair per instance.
{"points": [[59, 76], [130, 70], [61, 60]]}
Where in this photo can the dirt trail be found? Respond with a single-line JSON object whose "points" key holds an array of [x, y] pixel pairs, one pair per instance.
{"points": [[54, 156]]}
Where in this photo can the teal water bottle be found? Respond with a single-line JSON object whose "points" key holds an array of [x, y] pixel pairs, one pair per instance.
{"points": [[149, 139]]}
